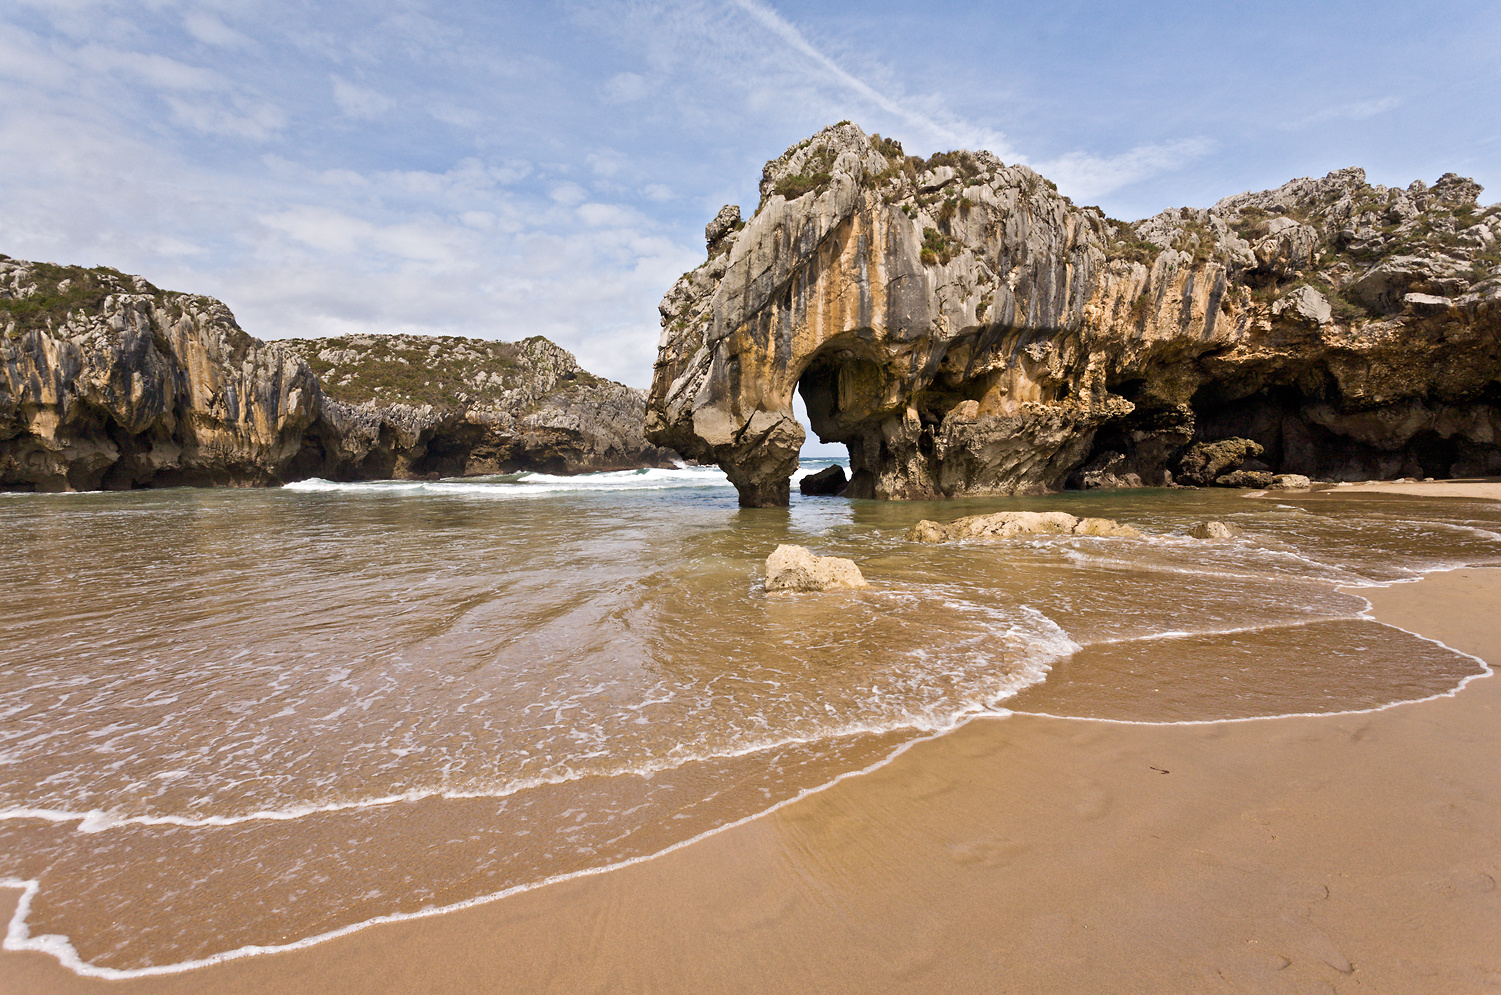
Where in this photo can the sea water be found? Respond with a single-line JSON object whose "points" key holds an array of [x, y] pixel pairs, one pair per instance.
{"points": [[240, 720]]}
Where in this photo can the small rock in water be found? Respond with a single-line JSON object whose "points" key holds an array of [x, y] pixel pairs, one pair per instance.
{"points": [[1290, 482], [1244, 478], [793, 568], [1106, 527], [1008, 524], [926, 531], [1214, 530], [829, 481]]}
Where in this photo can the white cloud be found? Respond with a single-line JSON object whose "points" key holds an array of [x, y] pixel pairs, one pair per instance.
{"points": [[359, 101], [212, 31], [1083, 175], [154, 70], [568, 193], [235, 117], [459, 117], [623, 88], [1360, 110]]}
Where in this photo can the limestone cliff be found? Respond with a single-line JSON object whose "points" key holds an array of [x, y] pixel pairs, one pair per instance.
{"points": [[964, 329], [415, 405], [108, 382]]}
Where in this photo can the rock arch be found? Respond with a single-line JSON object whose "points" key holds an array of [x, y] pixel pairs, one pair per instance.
{"points": [[964, 329]]}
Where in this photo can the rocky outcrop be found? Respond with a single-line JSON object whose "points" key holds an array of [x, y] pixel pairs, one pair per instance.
{"points": [[794, 568], [828, 482], [1204, 463], [108, 382], [416, 405], [964, 329]]}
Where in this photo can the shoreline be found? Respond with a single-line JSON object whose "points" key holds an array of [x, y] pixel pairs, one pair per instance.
{"points": [[1477, 489], [845, 885]]}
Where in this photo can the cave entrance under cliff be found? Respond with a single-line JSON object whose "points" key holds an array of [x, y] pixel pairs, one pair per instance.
{"points": [[841, 391], [813, 448], [1302, 429]]}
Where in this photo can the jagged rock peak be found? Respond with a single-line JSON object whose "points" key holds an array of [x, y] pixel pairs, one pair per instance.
{"points": [[725, 222], [963, 328]]}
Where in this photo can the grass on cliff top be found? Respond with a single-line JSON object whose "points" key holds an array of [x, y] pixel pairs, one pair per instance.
{"points": [[440, 370], [61, 291]]}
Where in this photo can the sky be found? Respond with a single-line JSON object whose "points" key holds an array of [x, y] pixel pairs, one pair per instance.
{"points": [[501, 170]]}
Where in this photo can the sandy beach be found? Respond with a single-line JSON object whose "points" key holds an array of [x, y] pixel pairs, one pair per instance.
{"points": [[1488, 490], [1352, 852]]}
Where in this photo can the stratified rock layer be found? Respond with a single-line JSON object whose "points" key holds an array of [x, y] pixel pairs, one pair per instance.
{"points": [[108, 382], [964, 329]]}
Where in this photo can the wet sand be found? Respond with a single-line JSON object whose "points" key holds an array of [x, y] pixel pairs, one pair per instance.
{"points": [[1344, 853], [1488, 490]]}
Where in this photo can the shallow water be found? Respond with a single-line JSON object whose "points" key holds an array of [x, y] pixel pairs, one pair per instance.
{"points": [[236, 718]]}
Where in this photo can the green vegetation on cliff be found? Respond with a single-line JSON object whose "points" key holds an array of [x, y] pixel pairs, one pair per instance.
{"points": [[54, 292], [440, 370]]}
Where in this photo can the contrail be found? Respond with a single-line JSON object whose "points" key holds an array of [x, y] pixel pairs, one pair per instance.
{"points": [[779, 26]]}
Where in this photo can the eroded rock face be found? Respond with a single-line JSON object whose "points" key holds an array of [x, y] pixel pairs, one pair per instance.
{"points": [[964, 329], [108, 382], [416, 405], [1205, 462]]}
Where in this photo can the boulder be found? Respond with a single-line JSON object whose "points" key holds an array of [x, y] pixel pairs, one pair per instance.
{"points": [[1011, 524], [1306, 305], [1290, 482], [1213, 530], [1105, 472], [1205, 462], [830, 481], [927, 531], [1244, 478], [1427, 304], [1107, 528], [794, 568]]}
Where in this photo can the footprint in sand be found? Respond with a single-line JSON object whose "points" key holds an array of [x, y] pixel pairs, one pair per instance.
{"points": [[1476, 882], [986, 852], [1091, 800]]}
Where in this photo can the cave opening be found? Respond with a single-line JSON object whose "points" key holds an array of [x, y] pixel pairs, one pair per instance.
{"points": [[1302, 429], [840, 394]]}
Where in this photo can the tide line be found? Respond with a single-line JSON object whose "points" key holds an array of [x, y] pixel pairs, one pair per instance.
{"points": [[18, 934]]}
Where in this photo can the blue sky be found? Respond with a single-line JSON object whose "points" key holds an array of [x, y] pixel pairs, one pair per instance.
{"points": [[502, 170]]}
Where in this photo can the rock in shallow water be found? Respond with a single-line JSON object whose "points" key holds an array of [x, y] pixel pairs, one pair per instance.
{"points": [[1206, 463], [1107, 528], [794, 568], [1214, 530], [1009, 524], [1245, 478], [828, 482]]}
